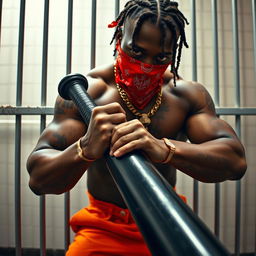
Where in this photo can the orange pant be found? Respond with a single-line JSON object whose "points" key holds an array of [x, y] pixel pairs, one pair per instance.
{"points": [[105, 229]]}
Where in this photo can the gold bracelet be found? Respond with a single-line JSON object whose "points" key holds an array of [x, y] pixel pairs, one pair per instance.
{"points": [[80, 152], [171, 148]]}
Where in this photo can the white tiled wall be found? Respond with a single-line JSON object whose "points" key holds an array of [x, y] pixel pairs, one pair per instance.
{"points": [[81, 64]]}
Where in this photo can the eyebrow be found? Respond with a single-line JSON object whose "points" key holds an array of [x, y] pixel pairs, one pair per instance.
{"points": [[137, 46]]}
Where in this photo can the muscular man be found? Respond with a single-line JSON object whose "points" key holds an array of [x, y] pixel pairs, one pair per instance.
{"points": [[141, 105]]}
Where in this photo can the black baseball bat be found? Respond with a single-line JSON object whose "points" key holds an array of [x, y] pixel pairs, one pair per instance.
{"points": [[168, 226]]}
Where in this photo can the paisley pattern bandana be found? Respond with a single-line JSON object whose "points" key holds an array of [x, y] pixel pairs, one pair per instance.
{"points": [[141, 81]]}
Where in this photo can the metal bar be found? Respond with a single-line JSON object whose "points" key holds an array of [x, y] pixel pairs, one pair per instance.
{"points": [[93, 33], [193, 40], [254, 47], [117, 7], [17, 163], [68, 70], [18, 237], [43, 121], [66, 219], [194, 78], [45, 54], [238, 119], [217, 210], [69, 37], [236, 52], [20, 53], [217, 103], [216, 53], [42, 226], [236, 111], [238, 200], [254, 31], [19, 110], [44, 110], [1, 7]]}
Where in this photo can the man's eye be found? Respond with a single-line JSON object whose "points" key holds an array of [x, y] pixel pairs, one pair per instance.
{"points": [[162, 58], [136, 51]]}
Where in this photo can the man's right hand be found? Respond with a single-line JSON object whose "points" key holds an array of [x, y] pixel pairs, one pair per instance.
{"points": [[98, 136]]}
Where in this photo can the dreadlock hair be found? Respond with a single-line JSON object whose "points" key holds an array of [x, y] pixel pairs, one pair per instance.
{"points": [[165, 14]]}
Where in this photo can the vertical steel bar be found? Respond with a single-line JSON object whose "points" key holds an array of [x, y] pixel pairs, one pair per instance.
{"points": [[236, 52], [254, 32], [43, 121], [238, 118], [69, 36], [254, 50], [217, 103], [217, 210], [68, 70], [42, 218], [93, 33], [18, 251], [216, 53], [194, 40], [117, 7], [18, 129], [1, 7], [117, 10], [45, 54], [238, 199], [194, 78]]}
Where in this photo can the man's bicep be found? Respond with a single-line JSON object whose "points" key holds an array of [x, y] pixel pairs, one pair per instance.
{"points": [[59, 135], [65, 127], [203, 127]]}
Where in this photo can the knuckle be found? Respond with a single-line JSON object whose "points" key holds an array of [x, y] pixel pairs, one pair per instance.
{"points": [[116, 104], [104, 128], [146, 140], [123, 116], [116, 131], [117, 107], [105, 138], [96, 110], [99, 119], [133, 145], [137, 123]]}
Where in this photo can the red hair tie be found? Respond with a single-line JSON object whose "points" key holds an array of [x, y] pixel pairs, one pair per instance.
{"points": [[113, 24]]}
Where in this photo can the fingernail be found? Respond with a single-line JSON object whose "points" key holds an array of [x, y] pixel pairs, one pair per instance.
{"points": [[116, 153]]}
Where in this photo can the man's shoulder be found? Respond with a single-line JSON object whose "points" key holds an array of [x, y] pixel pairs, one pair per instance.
{"points": [[194, 93], [99, 80], [187, 88]]}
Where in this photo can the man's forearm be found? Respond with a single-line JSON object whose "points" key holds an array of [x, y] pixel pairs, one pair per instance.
{"points": [[213, 161], [55, 172]]}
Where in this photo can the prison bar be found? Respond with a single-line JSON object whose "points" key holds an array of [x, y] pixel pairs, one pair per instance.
{"points": [[18, 130], [41, 110], [1, 6], [18, 111], [217, 103], [254, 51], [43, 120], [68, 70], [254, 32], [194, 78], [237, 119], [93, 33]]}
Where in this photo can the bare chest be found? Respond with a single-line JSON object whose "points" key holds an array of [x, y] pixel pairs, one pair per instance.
{"points": [[168, 121]]}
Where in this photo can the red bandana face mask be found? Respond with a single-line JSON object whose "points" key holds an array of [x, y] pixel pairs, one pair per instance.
{"points": [[141, 81]]}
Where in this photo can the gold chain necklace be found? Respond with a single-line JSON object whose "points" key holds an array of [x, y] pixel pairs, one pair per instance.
{"points": [[144, 118]]}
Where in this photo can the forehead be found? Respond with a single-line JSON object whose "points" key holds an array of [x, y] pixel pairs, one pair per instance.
{"points": [[148, 31]]}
